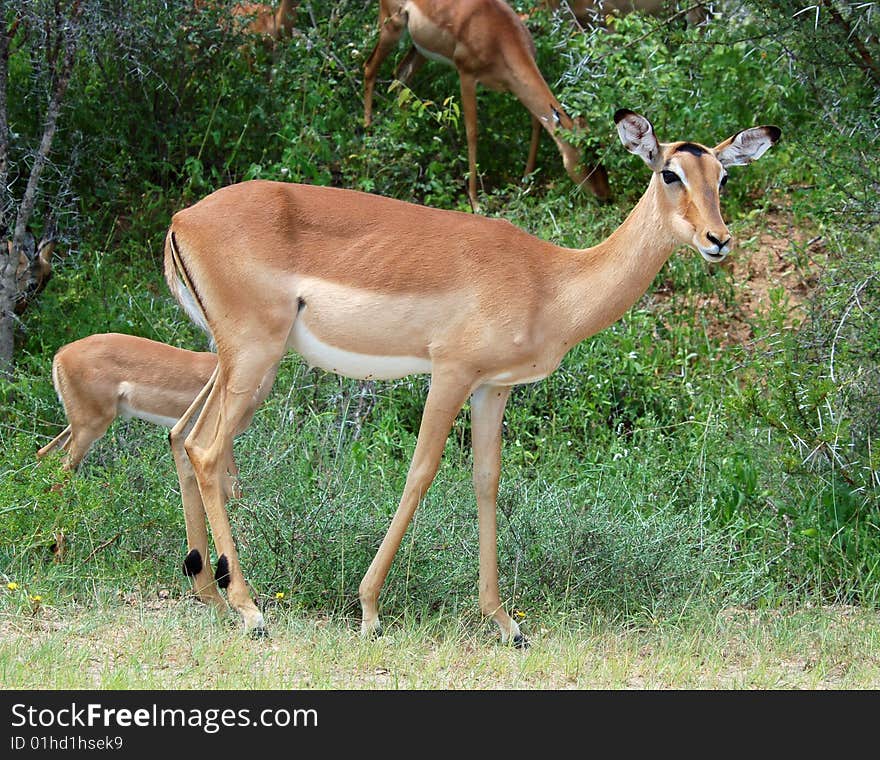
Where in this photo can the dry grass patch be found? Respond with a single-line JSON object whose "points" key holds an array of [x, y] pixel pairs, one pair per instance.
{"points": [[176, 645]]}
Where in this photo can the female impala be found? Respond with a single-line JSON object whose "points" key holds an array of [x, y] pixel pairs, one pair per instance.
{"points": [[487, 43], [370, 287]]}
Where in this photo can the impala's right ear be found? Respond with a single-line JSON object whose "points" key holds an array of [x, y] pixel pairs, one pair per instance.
{"points": [[637, 136]]}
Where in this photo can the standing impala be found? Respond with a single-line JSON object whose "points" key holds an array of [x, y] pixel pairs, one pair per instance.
{"points": [[370, 287], [488, 43]]}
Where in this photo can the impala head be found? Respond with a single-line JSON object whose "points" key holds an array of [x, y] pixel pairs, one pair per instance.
{"points": [[688, 178]]}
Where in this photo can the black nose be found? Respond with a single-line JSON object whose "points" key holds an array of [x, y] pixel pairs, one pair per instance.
{"points": [[715, 241]]}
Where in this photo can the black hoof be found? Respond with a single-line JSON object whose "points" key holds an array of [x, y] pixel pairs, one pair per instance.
{"points": [[373, 634], [258, 633], [520, 641]]}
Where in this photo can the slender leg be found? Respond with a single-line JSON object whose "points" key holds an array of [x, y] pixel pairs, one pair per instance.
{"points": [[80, 441], [411, 63], [469, 109], [196, 564], [228, 409], [487, 412], [59, 441], [533, 146], [449, 390], [390, 30]]}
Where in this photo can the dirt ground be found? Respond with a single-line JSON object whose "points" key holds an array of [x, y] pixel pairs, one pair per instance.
{"points": [[782, 259]]}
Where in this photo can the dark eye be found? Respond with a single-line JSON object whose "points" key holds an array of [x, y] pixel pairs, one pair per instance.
{"points": [[723, 181], [670, 177]]}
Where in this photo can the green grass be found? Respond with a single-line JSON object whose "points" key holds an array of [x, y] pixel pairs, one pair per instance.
{"points": [[176, 644]]}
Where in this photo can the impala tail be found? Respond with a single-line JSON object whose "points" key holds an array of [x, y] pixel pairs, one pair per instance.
{"points": [[181, 286], [64, 435]]}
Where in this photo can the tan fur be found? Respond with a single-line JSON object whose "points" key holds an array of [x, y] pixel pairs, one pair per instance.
{"points": [[487, 43], [103, 376], [485, 303], [265, 20]]}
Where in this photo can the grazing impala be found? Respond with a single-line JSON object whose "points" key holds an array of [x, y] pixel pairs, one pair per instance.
{"points": [[273, 24], [370, 287], [105, 376], [488, 43]]}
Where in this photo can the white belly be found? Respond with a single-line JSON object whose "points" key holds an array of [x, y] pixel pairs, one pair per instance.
{"points": [[350, 363], [427, 37], [127, 412]]}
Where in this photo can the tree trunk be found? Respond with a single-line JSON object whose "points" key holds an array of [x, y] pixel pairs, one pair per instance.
{"points": [[7, 260], [62, 66]]}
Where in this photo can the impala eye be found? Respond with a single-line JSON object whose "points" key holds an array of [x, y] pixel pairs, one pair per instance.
{"points": [[723, 181], [669, 177]]}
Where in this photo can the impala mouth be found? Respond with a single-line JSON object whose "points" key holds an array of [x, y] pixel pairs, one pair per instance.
{"points": [[713, 256]]}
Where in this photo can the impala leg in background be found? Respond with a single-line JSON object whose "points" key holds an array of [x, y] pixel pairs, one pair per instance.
{"points": [[487, 413], [449, 390], [532, 160], [411, 63], [469, 110], [62, 441], [197, 562], [390, 29]]}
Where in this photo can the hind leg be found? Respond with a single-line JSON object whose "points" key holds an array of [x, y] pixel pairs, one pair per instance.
{"points": [[390, 30], [196, 565], [242, 381]]}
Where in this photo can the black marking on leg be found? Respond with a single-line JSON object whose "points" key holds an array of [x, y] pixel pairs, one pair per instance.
{"points": [[260, 632], [221, 574], [520, 641], [192, 563]]}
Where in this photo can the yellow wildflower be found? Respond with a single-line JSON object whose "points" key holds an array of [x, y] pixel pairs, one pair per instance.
{"points": [[12, 586]]}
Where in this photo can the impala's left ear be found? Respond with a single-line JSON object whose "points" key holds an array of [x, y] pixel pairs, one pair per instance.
{"points": [[747, 146]]}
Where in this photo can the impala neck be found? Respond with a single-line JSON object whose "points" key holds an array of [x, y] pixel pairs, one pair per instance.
{"points": [[604, 281]]}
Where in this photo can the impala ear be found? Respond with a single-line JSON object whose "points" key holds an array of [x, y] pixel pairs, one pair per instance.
{"points": [[637, 136], [747, 146]]}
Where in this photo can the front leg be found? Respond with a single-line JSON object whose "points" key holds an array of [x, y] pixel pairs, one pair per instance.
{"points": [[391, 28], [449, 390], [487, 412]]}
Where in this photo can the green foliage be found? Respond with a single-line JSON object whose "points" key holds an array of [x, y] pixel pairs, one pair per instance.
{"points": [[655, 469]]}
